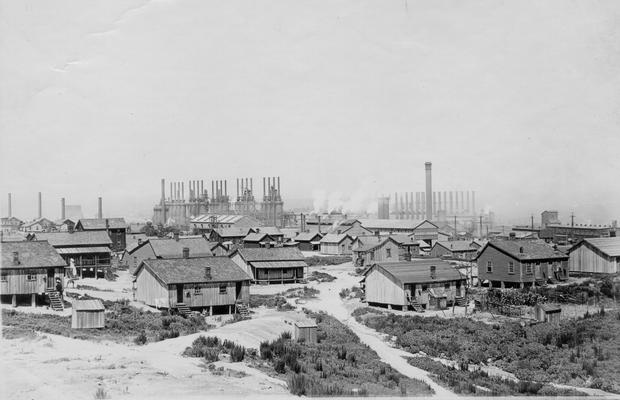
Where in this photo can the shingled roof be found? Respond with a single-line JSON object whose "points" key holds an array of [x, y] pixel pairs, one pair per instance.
{"points": [[456, 245], [271, 254], [234, 232], [170, 248], [307, 236], [89, 224], [192, 270], [418, 271], [76, 238], [30, 255], [257, 237], [526, 250], [334, 238]]}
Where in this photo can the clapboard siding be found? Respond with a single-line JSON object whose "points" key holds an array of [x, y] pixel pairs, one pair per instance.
{"points": [[150, 291], [87, 319], [17, 280], [209, 294], [380, 289], [585, 259]]}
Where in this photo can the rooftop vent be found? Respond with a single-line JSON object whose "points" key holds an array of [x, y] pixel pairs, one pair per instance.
{"points": [[185, 252], [139, 242]]}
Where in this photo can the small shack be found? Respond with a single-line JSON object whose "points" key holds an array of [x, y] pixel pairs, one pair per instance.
{"points": [[305, 331], [548, 313], [87, 314]]}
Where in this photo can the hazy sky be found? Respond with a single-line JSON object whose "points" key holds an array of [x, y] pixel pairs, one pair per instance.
{"points": [[518, 100]]}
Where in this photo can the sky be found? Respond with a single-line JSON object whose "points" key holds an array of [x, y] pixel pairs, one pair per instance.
{"points": [[518, 100]]}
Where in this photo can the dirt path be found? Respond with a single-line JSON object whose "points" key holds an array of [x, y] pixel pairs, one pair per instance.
{"points": [[330, 302]]}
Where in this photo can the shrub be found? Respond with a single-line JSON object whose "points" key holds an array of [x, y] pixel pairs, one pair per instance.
{"points": [[266, 352], [100, 394], [297, 384], [286, 335], [141, 339], [237, 353], [211, 354], [344, 293], [279, 366]]}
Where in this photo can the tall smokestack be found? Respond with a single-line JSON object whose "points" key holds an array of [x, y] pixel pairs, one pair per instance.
{"points": [[429, 191], [473, 204], [264, 191], [99, 208], [434, 202], [62, 209], [40, 206], [468, 203], [163, 191], [278, 186], [251, 186], [225, 187], [182, 190], [10, 207]]}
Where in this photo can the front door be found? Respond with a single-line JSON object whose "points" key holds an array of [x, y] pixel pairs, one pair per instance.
{"points": [[179, 293], [51, 282], [238, 290]]}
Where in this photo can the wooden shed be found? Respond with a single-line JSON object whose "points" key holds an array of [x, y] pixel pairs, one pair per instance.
{"points": [[87, 314], [305, 331], [548, 313]]}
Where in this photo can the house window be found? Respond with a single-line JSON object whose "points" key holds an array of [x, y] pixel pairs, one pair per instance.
{"points": [[372, 256], [197, 290], [446, 285], [489, 266], [511, 267], [223, 288], [4, 277], [31, 277], [388, 253], [528, 268]]}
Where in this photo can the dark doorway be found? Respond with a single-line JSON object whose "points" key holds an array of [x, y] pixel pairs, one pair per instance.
{"points": [[50, 278], [179, 293], [238, 289]]}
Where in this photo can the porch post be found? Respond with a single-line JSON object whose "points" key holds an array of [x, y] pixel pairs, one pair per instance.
{"points": [[210, 310], [230, 309], [33, 300], [14, 300]]}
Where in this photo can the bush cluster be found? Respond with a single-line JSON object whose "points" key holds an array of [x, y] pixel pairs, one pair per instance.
{"points": [[210, 347]]}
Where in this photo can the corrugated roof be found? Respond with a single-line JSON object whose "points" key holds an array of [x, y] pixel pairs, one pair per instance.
{"points": [[84, 238], [334, 238], [279, 264], [170, 248], [87, 305], [192, 270], [456, 245], [221, 218], [527, 249], [99, 224], [609, 246], [419, 271], [83, 250], [272, 254], [31, 255], [307, 236]]}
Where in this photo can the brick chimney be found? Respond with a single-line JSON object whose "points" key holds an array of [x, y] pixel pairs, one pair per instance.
{"points": [[176, 236], [185, 252]]}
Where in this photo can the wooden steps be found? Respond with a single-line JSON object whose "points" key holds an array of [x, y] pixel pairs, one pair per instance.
{"points": [[183, 309], [417, 307], [461, 301], [55, 301], [242, 309]]}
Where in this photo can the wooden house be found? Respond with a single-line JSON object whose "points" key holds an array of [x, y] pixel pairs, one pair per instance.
{"points": [[337, 244], [89, 251], [116, 228], [10, 224], [230, 237], [455, 249], [218, 249], [38, 225], [418, 284], [274, 232], [352, 227], [305, 331], [548, 313], [595, 256], [29, 269], [87, 314], [409, 247], [309, 241], [215, 284], [272, 265], [256, 240], [517, 263], [375, 249], [155, 248]]}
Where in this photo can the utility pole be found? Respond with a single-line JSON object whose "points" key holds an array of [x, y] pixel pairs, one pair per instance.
{"points": [[481, 227], [572, 226], [532, 222]]}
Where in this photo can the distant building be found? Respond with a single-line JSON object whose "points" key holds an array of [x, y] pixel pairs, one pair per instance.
{"points": [[351, 227], [207, 222], [39, 225], [272, 265], [230, 237], [549, 218], [565, 234], [10, 224], [337, 244], [116, 228], [309, 241], [517, 263], [256, 240], [29, 269], [595, 256], [179, 246], [456, 249], [419, 284], [371, 251], [216, 284]]}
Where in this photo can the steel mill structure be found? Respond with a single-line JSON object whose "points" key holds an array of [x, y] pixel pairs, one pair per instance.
{"points": [[179, 206]]}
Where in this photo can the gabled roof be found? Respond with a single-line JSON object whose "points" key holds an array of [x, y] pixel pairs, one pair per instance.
{"points": [[68, 239], [372, 246], [609, 246], [87, 305], [11, 221], [334, 238], [271, 254], [89, 224], [221, 218], [30, 255], [525, 250], [171, 248], [192, 270], [405, 240], [418, 271], [234, 232], [258, 237], [271, 230], [308, 236], [41, 221], [456, 245], [387, 224]]}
